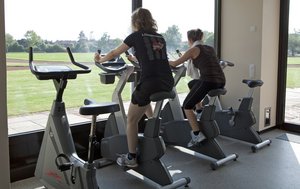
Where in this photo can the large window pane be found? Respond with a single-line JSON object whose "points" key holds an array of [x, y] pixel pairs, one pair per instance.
{"points": [[175, 17], [180, 16], [85, 26], [292, 109], [49, 26]]}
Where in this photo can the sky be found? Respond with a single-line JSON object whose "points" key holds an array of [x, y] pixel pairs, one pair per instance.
{"points": [[294, 22], [64, 19], [95, 17]]}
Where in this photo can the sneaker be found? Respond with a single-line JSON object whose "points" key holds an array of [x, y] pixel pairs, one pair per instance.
{"points": [[196, 139], [125, 162]]}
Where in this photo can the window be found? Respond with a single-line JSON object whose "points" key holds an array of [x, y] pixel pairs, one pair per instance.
{"points": [[292, 103], [174, 18], [50, 26], [85, 26]]}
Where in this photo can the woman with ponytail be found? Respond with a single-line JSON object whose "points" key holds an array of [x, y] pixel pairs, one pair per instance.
{"points": [[206, 75]]}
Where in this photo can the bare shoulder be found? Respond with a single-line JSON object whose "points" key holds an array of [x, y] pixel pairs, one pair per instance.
{"points": [[195, 51]]}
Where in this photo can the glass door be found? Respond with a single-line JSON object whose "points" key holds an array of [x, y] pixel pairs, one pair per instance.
{"points": [[292, 101]]}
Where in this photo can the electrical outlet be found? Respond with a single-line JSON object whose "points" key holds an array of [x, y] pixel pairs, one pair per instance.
{"points": [[251, 71], [267, 116]]}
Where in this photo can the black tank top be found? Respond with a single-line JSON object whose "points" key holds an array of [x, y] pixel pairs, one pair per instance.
{"points": [[208, 64]]}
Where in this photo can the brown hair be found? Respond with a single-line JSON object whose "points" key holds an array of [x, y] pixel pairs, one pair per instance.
{"points": [[142, 19], [195, 34]]}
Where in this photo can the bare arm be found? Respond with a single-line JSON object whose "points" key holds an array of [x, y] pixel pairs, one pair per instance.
{"points": [[191, 53], [112, 54]]}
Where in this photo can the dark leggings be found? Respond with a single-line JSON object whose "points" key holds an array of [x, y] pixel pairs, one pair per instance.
{"points": [[198, 90]]}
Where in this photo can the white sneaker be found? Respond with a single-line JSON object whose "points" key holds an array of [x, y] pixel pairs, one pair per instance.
{"points": [[125, 162], [196, 139]]}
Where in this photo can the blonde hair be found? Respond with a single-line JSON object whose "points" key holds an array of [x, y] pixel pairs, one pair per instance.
{"points": [[142, 19]]}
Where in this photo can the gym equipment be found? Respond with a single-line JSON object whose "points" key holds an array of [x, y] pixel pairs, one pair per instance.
{"points": [[151, 146], [58, 164], [110, 70], [238, 123], [176, 129]]}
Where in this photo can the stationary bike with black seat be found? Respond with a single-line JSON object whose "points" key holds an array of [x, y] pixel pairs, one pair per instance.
{"points": [[151, 146], [238, 123], [58, 164], [176, 129]]}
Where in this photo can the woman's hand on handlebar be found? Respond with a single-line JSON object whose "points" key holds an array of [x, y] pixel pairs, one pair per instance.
{"points": [[131, 58], [97, 57]]}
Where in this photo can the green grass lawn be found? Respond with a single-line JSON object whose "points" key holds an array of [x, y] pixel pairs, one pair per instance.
{"points": [[293, 74], [80, 57], [293, 78], [293, 60], [26, 94]]}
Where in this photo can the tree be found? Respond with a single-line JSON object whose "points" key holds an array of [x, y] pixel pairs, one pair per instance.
{"points": [[55, 48], [33, 40], [209, 38], [103, 42], [23, 42], [9, 39], [172, 37], [15, 47], [82, 43], [294, 44]]}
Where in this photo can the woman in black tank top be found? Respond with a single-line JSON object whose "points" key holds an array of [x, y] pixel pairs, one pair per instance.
{"points": [[207, 75], [150, 51]]}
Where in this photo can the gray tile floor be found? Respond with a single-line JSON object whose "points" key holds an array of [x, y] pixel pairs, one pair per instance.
{"points": [[274, 167]]}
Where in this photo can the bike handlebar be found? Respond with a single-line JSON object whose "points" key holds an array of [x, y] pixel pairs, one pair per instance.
{"points": [[45, 72], [111, 66]]}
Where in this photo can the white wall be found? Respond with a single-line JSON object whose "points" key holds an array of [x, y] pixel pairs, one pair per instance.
{"points": [[250, 37], [4, 158], [269, 59]]}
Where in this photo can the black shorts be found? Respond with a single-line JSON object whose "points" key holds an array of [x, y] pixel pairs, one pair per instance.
{"points": [[143, 91], [198, 90]]}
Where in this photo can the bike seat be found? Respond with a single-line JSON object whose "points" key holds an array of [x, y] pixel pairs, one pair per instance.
{"points": [[94, 108], [162, 95], [217, 92], [253, 83]]}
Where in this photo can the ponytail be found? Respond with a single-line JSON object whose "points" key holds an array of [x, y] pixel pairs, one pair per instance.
{"points": [[195, 34]]}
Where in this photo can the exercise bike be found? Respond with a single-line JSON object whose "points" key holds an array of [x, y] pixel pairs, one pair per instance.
{"points": [[151, 146], [238, 123], [176, 129], [58, 164]]}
